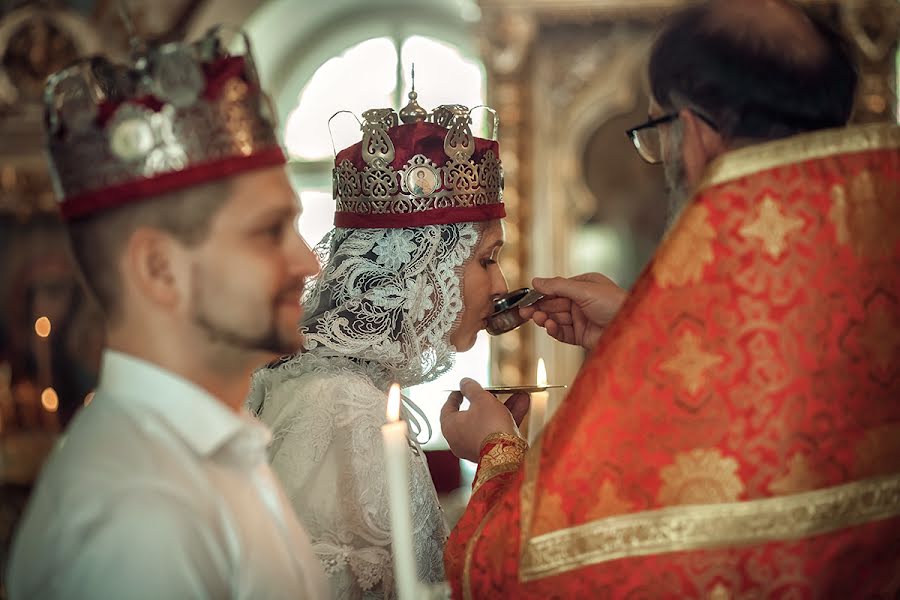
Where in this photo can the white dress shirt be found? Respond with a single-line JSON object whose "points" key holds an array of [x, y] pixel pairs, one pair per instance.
{"points": [[158, 490]]}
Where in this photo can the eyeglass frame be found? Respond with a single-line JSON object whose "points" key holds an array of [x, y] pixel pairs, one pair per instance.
{"points": [[653, 123]]}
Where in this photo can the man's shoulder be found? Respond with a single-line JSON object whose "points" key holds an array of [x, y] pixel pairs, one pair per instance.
{"points": [[88, 477], [81, 510], [108, 442], [75, 542], [109, 458], [111, 487]]}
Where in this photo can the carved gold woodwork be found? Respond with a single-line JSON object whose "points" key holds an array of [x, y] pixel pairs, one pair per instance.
{"points": [[34, 42], [555, 72], [874, 28]]}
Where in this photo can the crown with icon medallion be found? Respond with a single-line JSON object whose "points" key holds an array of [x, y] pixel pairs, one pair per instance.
{"points": [[176, 115], [416, 168]]}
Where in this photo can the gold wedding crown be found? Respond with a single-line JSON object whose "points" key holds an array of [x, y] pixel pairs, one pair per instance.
{"points": [[176, 115], [416, 168]]}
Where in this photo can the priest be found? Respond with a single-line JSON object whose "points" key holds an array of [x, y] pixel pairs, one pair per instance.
{"points": [[734, 431]]}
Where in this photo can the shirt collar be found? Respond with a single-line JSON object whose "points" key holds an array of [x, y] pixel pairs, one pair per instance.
{"points": [[196, 416]]}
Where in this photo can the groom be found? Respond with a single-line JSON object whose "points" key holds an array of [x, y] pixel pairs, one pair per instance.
{"points": [[181, 219]]}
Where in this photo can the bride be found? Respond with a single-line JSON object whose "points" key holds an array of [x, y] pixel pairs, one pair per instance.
{"points": [[409, 274]]}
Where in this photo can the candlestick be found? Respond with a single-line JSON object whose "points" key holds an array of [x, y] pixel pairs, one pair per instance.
{"points": [[538, 405], [396, 458]]}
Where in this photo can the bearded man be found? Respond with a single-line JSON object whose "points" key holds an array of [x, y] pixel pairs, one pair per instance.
{"points": [[182, 220]]}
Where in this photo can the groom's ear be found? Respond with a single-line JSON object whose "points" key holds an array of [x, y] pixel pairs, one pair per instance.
{"points": [[155, 268]]}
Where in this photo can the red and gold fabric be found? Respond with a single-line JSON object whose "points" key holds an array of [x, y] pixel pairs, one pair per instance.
{"points": [[500, 453], [736, 433]]}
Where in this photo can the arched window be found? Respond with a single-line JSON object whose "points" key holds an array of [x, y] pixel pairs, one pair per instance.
{"points": [[371, 74]]}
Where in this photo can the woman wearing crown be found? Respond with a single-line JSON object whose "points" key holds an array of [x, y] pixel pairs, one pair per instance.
{"points": [[408, 276]]}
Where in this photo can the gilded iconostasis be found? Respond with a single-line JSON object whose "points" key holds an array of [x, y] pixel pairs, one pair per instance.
{"points": [[566, 77]]}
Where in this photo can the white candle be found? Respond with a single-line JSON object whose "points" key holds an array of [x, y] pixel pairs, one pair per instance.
{"points": [[538, 405], [396, 458]]}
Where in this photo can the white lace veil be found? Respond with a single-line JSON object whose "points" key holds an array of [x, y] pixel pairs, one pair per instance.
{"points": [[383, 306], [386, 299], [389, 298]]}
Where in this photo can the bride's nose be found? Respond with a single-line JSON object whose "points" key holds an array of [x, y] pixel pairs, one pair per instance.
{"points": [[498, 283]]}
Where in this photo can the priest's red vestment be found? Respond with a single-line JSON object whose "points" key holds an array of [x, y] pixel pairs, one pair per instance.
{"points": [[736, 433]]}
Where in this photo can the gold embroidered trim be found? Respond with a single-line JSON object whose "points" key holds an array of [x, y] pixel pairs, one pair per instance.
{"points": [[502, 458], [470, 551], [707, 526], [501, 437], [810, 146]]}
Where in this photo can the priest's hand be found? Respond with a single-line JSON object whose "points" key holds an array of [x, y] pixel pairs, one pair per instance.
{"points": [[575, 310], [466, 430]]}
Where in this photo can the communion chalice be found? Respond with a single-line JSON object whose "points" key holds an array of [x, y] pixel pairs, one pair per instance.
{"points": [[505, 316]]}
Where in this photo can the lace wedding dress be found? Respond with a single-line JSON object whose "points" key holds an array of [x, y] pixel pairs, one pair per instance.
{"points": [[381, 311]]}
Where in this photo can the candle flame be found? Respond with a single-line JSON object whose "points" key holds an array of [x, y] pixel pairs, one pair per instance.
{"points": [[42, 327], [541, 372], [393, 405], [49, 399]]}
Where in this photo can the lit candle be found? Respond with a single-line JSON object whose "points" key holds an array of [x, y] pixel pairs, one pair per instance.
{"points": [[396, 458], [538, 405]]}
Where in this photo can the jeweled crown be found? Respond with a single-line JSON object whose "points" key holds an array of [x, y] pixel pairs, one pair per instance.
{"points": [[176, 115], [419, 168]]}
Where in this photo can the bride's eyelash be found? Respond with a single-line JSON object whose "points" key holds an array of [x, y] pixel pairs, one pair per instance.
{"points": [[486, 262]]}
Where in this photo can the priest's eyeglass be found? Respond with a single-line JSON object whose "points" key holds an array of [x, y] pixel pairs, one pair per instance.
{"points": [[646, 140]]}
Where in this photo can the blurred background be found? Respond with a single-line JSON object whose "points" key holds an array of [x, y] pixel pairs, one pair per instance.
{"points": [[566, 77]]}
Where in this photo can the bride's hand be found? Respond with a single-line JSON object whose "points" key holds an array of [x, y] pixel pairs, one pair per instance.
{"points": [[466, 430]]}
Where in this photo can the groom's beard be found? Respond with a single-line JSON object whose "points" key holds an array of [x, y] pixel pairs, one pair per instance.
{"points": [[236, 331]]}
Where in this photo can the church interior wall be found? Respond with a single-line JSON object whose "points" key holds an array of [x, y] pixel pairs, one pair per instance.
{"points": [[560, 72]]}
